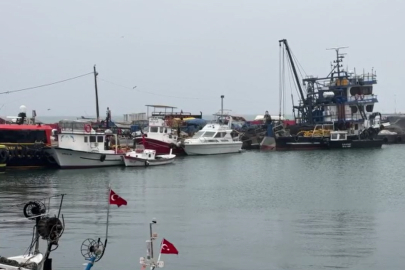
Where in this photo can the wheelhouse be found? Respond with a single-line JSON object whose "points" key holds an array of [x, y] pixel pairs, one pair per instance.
{"points": [[338, 136], [25, 134]]}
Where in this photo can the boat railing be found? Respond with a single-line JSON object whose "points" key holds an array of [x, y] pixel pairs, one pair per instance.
{"points": [[174, 114]]}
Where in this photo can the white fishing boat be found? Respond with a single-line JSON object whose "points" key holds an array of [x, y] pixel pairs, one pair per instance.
{"points": [[46, 228], [215, 138], [80, 146], [142, 157]]}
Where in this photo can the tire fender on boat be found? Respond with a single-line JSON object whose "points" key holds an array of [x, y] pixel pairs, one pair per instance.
{"points": [[3, 155], [146, 163], [102, 157], [19, 150]]}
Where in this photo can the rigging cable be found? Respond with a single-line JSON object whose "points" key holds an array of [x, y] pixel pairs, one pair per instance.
{"points": [[147, 92], [283, 84], [44, 85], [163, 95], [296, 87], [279, 80]]}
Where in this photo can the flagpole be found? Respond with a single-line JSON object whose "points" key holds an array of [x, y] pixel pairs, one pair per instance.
{"points": [[158, 260], [108, 210]]}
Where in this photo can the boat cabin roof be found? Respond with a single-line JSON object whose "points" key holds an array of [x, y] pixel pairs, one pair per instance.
{"points": [[79, 127], [24, 127], [161, 106]]}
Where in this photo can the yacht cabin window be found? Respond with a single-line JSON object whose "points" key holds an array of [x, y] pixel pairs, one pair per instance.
{"points": [[100, 139], [220, 135], [198, 134], [334, 136], [209, 134], [154, 129], [92, 138], [85, 139]]}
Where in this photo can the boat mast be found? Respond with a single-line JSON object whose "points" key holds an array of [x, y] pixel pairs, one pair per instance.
{"points": [[222, 105], [95, 85]]}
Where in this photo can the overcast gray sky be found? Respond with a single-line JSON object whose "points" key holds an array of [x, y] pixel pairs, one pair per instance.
{"points": [[187, 53]]}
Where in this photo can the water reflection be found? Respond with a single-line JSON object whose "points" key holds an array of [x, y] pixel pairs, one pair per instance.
{"points": [[302, 210], [341, 237]]}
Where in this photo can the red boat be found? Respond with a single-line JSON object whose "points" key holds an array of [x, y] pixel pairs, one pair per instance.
{"points": [[25, 145], [164, 130], [25, 142]]}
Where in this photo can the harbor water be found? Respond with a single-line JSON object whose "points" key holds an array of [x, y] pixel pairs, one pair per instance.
{"points": [[254, 210]]}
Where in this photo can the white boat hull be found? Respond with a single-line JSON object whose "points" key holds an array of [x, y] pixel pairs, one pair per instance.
{"points": [[71, 159], [142, 162], [212, 148]]}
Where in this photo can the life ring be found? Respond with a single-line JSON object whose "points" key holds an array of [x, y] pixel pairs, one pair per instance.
{"points": [[3, 155], [87, 128], [169, 122]]}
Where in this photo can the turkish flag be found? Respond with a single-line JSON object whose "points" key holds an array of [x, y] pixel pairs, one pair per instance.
{"points": [[115, 199], [167, 248]]}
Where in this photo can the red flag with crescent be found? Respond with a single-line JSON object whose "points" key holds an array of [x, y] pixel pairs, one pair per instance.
{"points": [[115, 199], [167, 248]]}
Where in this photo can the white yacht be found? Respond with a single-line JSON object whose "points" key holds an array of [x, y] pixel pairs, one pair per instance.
{"points": [[213, 139], [80, 146]]}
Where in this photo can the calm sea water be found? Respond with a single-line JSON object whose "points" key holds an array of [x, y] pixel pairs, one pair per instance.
{"points": [[255, 210]]}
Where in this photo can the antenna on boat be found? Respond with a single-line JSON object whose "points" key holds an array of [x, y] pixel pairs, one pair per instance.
{"points": [[222, 105], [339, 57]]}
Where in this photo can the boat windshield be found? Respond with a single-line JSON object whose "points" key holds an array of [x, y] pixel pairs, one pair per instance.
{"points": [[198, 134]]}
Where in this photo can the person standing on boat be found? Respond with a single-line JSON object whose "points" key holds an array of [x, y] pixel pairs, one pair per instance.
{"points": [[108, 117], [267, 118]]}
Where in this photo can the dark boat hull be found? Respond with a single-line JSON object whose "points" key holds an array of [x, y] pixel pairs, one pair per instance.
{"points": [[161, 148], [310, 143], [392, 139], [25, 157]]}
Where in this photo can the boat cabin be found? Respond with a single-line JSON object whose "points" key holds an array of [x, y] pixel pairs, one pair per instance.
{"points": [[214, 133], [159, 129], [80, 136], [141, 152], [25, 134]]}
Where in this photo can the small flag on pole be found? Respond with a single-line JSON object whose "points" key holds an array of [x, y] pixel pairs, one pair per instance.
{"points": [[167, 248], [116, 199]]}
